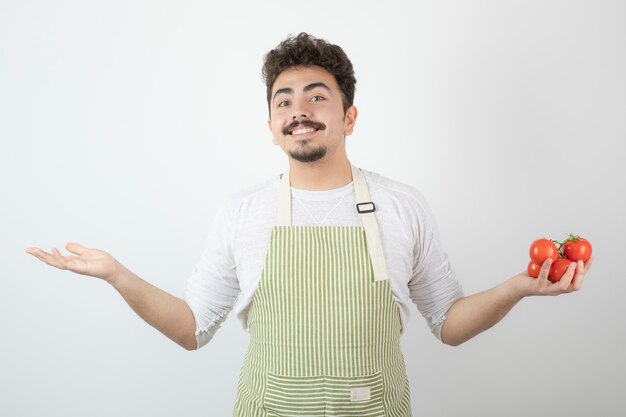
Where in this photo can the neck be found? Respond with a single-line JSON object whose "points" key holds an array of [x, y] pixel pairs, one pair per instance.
{"points": [[325, 174]]}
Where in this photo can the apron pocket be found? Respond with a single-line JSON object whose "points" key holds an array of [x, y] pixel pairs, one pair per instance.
{"points": [[294, 396], [359, 395], [320, 396]]}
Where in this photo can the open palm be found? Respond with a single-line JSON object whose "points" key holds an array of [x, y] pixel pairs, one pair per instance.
{"points": [[85, 261]]}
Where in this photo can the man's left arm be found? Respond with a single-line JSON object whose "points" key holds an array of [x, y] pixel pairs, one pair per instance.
{"points": [[476, 313]]}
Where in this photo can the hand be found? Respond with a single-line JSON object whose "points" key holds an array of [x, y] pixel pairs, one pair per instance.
{"points": [[92, 262], [571, 281]]}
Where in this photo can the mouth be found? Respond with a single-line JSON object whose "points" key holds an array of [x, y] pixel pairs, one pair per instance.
{"points": [[303, 129], [303, 132]]}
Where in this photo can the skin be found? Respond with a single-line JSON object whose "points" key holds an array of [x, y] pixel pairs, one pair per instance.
{"points": [[317, 161], [163, 311], [293, 101], [476, 313]]}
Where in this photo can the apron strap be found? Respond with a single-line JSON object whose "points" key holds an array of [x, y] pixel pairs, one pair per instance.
{"points": [[365, 208], [284, 201]]}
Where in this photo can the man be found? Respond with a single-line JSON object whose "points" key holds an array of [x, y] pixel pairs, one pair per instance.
{"points": [[326, 261]]}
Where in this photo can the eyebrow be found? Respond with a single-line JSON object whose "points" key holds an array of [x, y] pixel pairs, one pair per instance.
{"points": [[309, 87]]}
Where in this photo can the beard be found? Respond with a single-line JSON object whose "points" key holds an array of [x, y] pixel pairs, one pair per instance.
{"points": [[306, 154]]}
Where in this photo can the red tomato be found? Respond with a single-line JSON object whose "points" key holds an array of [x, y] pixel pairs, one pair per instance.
{"points": [[558, 268], [577, 248], [533, 269], [542, 249]]}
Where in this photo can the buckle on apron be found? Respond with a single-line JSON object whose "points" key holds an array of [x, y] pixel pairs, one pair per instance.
{"points": [[366, 210]]}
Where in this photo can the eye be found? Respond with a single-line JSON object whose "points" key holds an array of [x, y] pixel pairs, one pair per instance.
{"points": [[317, 98], [283, 103]]}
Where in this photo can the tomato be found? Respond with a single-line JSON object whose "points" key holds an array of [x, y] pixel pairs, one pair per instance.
{"points": [[558, 268], [533, 269], [542, 249], [577, 248]]}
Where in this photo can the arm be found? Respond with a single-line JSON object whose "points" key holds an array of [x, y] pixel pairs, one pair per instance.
{"points": [[474, 314], [168, 314]]}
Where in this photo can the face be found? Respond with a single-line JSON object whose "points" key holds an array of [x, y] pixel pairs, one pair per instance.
{"points": [[306, 114]]}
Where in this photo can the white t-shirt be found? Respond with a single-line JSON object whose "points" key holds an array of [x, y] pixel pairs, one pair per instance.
{"points": [[230, 266]]}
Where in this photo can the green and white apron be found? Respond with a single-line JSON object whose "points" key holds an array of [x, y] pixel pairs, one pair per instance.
{"points": [[324, 327]]}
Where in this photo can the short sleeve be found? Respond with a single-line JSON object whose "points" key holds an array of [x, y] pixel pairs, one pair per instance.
{"points": [[213, 287], [433, 286]]}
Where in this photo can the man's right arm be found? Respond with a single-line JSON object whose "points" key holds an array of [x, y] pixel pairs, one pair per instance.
{"points": [[168, 314]]}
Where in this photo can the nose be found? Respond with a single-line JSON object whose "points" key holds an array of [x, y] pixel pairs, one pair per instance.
{"points": [[299, 111]]}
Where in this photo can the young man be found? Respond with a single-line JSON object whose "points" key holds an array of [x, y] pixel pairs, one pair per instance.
{"points": [[326, 261]]}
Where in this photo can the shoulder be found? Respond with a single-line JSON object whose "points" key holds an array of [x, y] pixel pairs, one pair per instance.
{"points": [[402, 206], [253, 194], [402, 194], [253, 204]]}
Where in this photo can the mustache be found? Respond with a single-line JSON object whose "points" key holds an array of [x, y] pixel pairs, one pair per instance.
{"points": [[308, 123]]}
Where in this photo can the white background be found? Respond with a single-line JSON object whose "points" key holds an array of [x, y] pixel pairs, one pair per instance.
{"points": [[125, 124]]}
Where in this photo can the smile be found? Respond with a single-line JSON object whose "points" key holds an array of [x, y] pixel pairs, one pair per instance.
{"points": [[302, 131]]}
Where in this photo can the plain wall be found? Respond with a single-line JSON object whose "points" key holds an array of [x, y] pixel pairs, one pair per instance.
{"points": [[125, 124]]}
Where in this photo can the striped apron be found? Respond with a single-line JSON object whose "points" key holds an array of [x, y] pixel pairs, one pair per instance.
{"points": [[324, 327]]}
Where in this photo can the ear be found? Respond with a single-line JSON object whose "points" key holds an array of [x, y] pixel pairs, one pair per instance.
{"points": [[269, 125], [350, 120]]}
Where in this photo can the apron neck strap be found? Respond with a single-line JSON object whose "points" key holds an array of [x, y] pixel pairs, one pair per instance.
{"points": [[365, 208], [364, 204], [284, 201]]}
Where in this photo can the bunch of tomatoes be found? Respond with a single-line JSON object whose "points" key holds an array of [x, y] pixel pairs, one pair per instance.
{"points": [[572, 249]]}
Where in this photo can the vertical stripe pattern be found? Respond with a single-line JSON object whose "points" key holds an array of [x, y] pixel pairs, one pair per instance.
{"points": [[322, 331]]}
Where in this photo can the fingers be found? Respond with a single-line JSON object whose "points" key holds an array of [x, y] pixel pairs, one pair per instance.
{"points": [[75, 248], [44, 256], [54, 259], [564, 283], [58, 256], [570, 281], [39, 254], [573, 278], [588, 264], [577, 282], [581, 270], [544, 271]]}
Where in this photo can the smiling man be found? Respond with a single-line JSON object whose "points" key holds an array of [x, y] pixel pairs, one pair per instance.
{"points": [[326, 262], [299, 93]]}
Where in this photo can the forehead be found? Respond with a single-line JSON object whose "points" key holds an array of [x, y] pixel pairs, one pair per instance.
{"points": [[299, 77]]}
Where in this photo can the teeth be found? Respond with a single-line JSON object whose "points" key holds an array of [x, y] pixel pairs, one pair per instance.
{"points": [[301, 131]]}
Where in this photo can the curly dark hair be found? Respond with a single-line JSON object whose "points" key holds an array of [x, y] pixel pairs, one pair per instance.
{"points": [[307, 50]]}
